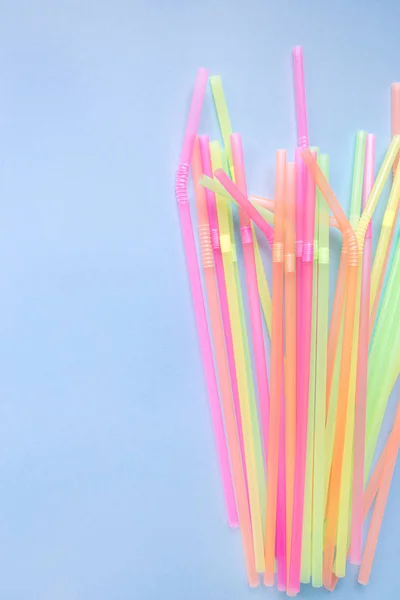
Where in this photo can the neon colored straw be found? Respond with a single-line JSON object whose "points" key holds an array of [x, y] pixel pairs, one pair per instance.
{"points": [[281, 507], [252, 286], [290, 344], [305, 573], [181, 190], [347, 232], [300, 93], [344, 515], [251, 435], [320, 383], [384, 237], [304, 375], [395, 131], [276, 367], [239, 475], [215, 242], [362, 367], [380, 505]]}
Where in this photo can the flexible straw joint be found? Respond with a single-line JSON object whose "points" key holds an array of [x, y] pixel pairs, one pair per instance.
{"points": [[308, 252], [323, 256], [225, 242], [277, 252], [299, 248], [205, 245], [215, 244], [352, 247], [246, 233], [290, 263], [182, 176], [303, 142]]}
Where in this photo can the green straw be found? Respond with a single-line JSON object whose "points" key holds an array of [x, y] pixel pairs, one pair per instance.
{"points": [[320, 383], [343, 529], [305, 574]]}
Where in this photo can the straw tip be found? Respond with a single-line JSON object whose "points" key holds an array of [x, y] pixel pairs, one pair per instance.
{"points": [[298, 51], [396, 86]]}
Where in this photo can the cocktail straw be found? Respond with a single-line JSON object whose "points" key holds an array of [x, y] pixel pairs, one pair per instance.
{"points": [[320, 383], [276, 366], [381, 278], [252, 446], [305, 574], [303, 373], [362, 367], [344, 517], [290, 345], [380, 504], [181, 190], [226, 132], [300, 95], [231, 424], [352, 270]]}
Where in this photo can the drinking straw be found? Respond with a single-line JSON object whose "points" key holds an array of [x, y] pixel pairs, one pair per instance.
{"points": [[320, 383], [395, 131], [215, 244], [235, 451], [281, 508], [347, 469], [380, 504], [384, 237], [352, 246], [290, 346], [300, 95], [305, 573], [304, 375], [252, 445], [226, 132], [362, 367], [276, 366], [181, 190], [252, 288]]}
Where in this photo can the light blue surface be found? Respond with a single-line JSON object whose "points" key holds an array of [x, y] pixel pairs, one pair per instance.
{"points": [[109, 484]]}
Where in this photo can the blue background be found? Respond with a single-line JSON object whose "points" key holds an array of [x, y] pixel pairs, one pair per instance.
{"points": [[109, 486]]}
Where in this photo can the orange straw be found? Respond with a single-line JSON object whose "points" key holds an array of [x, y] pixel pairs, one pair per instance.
{"points": [[290, 346], [276, 368], [351, 291], [380, 504]]}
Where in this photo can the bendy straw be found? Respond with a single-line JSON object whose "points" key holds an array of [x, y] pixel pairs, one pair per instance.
{"points": [[320, 383], [344, 515], [276, 367], [306, 548], [181, 190], [290, 347], [380, 503], [303, 390], [253, 453], [381, 276], [239, 474], [348, 234], [362, 367]]}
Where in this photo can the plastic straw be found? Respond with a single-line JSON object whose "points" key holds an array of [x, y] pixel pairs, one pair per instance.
{"points": [[305, 574], [300, 94], [320, 384], [254, 463], [347, 470], [181, 190], [239, 474], [304, 375], [348, 234], [276, 367], [290, 345], [380, 504], [362, 367]]}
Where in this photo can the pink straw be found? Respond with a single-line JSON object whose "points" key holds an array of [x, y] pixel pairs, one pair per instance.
{"points": [[181, 191], [304, 375], [281, 510], [362, 368], [300, 94], [223, 294]]}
